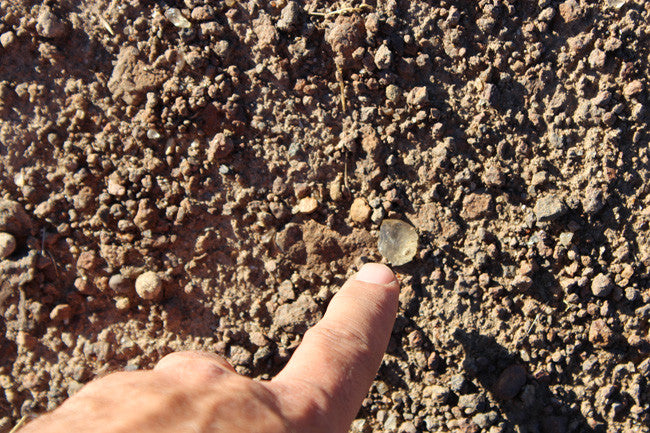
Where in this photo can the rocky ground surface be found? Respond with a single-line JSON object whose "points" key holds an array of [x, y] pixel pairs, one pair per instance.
{"points": [[204, 174]]}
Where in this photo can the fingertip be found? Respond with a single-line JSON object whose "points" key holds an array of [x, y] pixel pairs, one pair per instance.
{"points": [[375, 273]]}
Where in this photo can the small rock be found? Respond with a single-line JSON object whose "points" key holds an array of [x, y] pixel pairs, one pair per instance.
{"points": [[437, 394], [119, 283], [49, 25], [7, 245], [149, 286], [600, 335], [593, 201], [407, 427], [307, 205], [549, 208], [391, 422], [633, 88], [297, 316], [471, 403], [383, 57], [457, 382], [485, 420], [7, 39], [240, 356], [360, 211], [601, 286], [417, 96], [510, 382], [290, 17], [570, 10], [393, 93], [61, 313], [476, 206], [398, 241], [13, 218], [220, 147], [177, 18]]}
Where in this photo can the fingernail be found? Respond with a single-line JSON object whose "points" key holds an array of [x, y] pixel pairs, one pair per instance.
{"points": [[375, 273]]}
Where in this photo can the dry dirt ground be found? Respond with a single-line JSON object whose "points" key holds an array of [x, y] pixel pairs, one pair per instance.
{"points": [[243, 153]]}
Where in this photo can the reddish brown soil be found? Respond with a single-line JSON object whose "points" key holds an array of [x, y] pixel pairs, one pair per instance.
{"points": [[226, 158]]}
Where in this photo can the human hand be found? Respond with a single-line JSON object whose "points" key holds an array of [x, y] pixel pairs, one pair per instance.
{"points": [[319, 390]]}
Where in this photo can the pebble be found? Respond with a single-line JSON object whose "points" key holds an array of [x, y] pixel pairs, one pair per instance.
{"points": [[7, 39], [7, 245], [417, 96], [383, 57], [398, 241], [360, 211], [510, 382], [149, 286], [393, 93], [601, 285], [176, 18], [61, 313], [307, 205], [49, 25], [119, 283], [549, 208]]}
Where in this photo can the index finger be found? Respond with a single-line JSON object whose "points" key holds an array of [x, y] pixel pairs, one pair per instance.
{"points": [[333, 368]]}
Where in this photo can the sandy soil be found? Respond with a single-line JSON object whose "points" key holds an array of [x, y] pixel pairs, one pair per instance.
{"points": [[240, 155]]}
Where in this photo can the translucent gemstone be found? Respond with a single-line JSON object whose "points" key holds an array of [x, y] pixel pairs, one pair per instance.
{"points": [[177, 18], [398, 241]]}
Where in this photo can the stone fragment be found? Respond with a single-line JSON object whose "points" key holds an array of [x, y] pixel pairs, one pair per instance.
{"points": [[297, 316], [510, 382], [600, 335], [290, 17], [398, 241], [549, 208], [633, 88], [593, 201], [437, 394], [7, 245], [7, 39], [49, 25], [177, 18], [360, 211], [13, 218], [570, 10], [601, 285], [119, 283], [417, 96], [383, 57], [476, 206], [307, 205], [220, 147], [61, 313], [149, 286], [393, 93]]}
